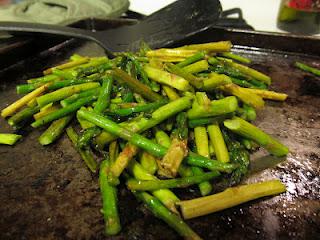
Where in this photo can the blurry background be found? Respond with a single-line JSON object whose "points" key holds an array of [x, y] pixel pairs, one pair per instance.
{"points": [[260, 14]]}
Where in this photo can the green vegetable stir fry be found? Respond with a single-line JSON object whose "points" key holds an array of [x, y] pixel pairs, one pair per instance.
{"points": [[162, 119]]}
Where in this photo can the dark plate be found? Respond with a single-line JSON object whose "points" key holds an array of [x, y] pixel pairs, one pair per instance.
{"points": [[47, 192]]}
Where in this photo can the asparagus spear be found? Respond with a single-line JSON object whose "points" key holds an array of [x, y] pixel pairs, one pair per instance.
{"points": [[170, 218], [90, 68], [62, 112], [177, 149], [148, 162], [113, 151], [165, 52], [205, 187], [86, 154], [222, 68], [148, 145], [65, 92], [9, 139], [222, 46], [66, 65], [201, 139], [194, 58], [218, 143], [88, 93], [267, 94], [101, 104], [202, 143], [123, 160], [250, 112], [104, 96], [63, 74], [140, 108], [250, 72], [166, 59], [185, 170], [18, 120], [135, 85], [168, 198], [149, 185], [229, 198], [215, 80], [307, 68], [172, 108], [247, 130], [44, 79], [84, 123], [196, 67], [246, 96], [216, 107], [109, 201], [194, 81], [87, 136], [26, 88], [45, 111], [236, 57], [193, 123], [170, 92], [162, 138], [238, 155], [142, 74], [242, 83], [169, 79], [14, 107], [55, 130]]}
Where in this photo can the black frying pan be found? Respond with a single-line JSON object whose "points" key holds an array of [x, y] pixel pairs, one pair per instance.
{"points": [[168, 25]]}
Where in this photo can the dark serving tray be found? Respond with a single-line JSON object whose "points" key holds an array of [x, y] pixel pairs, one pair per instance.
{"points": [[47, 192]]}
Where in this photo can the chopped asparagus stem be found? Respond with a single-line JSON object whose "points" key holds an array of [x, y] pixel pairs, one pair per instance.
{"points": [[86, 154], [9, 139], [149, 185], [222, 46], [55, 130], [14, 107], [167, 78], [65, 92], [171, 93], [307, 68], [123, 160], [164, 52], [236, 57], [62, 112], [104, 96], [229, 198], [244, 95], [205, 186], [196, 67], [170, 218], [247, 130], [216, 107], [167, 197], [109, 201], [218, 143], [148, 162], [194, 58], [135, 85]]}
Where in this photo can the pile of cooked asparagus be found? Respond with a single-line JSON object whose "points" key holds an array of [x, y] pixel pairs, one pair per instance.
{"points": [[162, 119]]}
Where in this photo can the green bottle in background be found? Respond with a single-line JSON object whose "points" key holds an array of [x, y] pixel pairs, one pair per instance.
{"points": [[299, 16]]}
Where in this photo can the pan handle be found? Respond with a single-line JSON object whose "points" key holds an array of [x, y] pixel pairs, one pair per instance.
{"points": [[22, 27]]}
